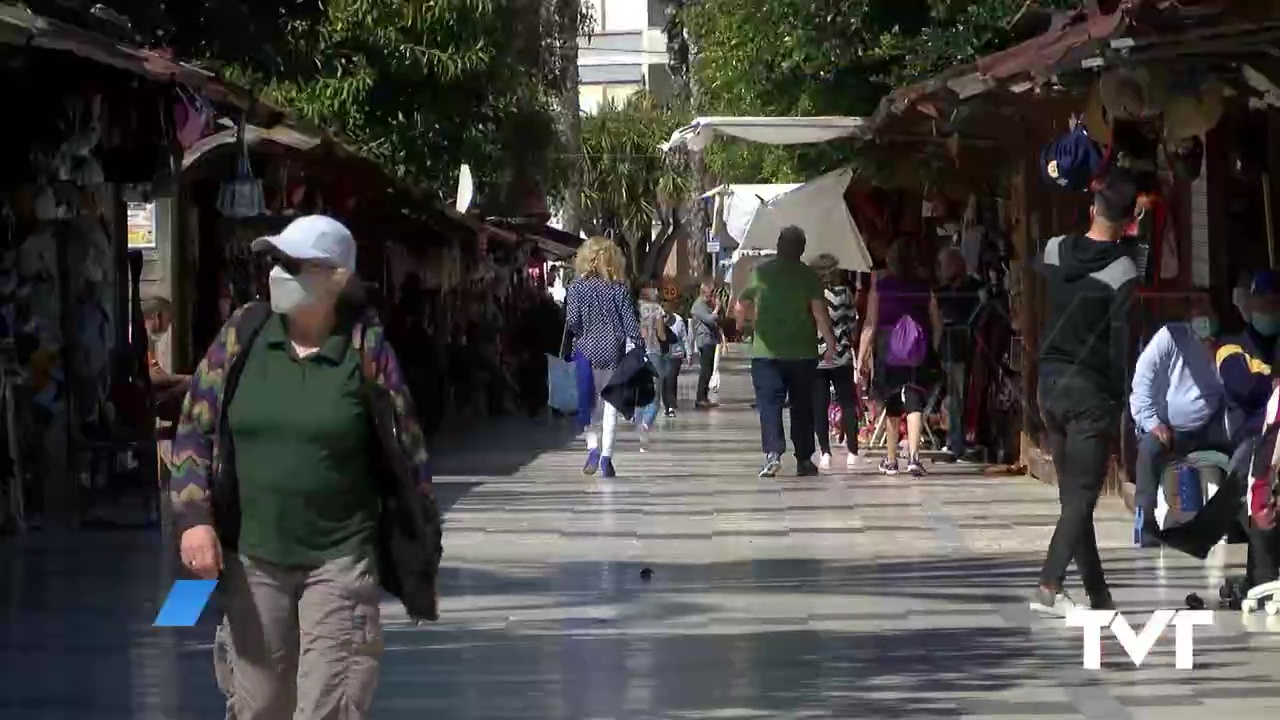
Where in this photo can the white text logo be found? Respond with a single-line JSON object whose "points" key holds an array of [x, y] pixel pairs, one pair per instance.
{"points": [[1137, 645]]}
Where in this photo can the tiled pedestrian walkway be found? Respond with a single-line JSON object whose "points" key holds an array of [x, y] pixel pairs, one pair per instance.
{"points": [[848, 596]]}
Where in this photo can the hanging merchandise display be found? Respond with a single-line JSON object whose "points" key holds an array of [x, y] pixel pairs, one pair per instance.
{"points": [[1133, 93], [1185, 158], [1193, 112], [192, 116], [1069, 162], [242, 197]]}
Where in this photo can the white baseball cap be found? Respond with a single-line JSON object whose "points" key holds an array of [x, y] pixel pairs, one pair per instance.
{"points": [[313, 237]]}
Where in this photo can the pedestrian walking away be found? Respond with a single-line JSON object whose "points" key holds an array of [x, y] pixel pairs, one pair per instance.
{"points": [[1084, 357], [784, 302], [298, 466], [902, 327], [707, 337], [678, 350], [657, 345], [838, 374], [601, 314]]}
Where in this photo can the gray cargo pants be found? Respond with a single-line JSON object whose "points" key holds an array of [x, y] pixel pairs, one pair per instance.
{"points": [[296, 642]]}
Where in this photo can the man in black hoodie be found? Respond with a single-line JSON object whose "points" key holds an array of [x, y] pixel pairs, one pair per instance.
{"points": [[1084, 360]]}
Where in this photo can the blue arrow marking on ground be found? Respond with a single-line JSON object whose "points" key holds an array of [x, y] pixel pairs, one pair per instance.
{"points": [[186, 601]]}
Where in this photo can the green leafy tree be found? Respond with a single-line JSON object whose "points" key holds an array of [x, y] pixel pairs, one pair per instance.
{"points": [[423, 87], [797, 58], [628, 183]]}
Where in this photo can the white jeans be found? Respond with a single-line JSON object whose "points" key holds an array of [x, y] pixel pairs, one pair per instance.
{"points": [[604, 417]]}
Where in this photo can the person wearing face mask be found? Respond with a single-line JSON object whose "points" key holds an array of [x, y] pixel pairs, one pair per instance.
{"points": [[1245, 362], [1177, 404], [301, 484], [1090, 279]]}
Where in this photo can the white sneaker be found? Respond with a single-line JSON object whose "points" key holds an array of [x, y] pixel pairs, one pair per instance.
{"points": [[1057, 604], [824, 463], [851, 462]]}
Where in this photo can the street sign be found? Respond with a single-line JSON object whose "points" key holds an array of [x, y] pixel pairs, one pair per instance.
{"points": [[713, 246]]}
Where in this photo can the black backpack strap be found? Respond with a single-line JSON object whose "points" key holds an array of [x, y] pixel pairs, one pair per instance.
{"points": [[250, 322], [247, 326]]}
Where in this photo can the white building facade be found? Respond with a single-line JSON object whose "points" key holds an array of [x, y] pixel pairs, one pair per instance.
{"points": [[626, 52]]}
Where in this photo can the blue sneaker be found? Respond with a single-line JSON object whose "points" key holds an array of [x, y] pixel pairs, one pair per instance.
{"points": [[593, 463], [606, 468]]}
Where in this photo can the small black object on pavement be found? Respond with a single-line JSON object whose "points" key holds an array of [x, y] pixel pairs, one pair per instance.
{"points": [[1194, 602], [646, 574]]}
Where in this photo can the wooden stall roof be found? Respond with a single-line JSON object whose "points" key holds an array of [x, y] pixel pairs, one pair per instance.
{"points": [[1140, 31], [22, 28]]}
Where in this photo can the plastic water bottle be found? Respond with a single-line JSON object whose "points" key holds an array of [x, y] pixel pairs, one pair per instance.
{"points": [[1190, 493]]}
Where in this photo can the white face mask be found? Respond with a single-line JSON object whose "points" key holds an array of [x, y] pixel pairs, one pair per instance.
{"points": [[288, 293]]}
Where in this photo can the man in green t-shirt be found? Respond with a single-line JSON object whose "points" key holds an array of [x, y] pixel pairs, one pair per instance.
{"points": [[785, 301]]}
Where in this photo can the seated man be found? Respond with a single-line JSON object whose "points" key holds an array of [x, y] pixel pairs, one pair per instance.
{"points": [[168, 389], [1177, 404], [1245, 365]]}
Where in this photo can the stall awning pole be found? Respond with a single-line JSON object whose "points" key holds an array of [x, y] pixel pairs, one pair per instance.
{"points": [[1271, 228]]}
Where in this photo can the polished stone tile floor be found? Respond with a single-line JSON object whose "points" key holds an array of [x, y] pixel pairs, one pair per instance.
{"points": [[846, 596]]}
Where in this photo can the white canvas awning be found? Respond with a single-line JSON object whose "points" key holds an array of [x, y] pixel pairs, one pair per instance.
{"points": [[818, 207], [737, 204], [768, 130]]}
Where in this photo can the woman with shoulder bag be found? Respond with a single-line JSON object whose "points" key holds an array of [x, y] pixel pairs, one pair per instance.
{"points": [[601, 314]]}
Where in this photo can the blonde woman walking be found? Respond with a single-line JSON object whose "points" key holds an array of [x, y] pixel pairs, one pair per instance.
{"points": [[601, 313]]}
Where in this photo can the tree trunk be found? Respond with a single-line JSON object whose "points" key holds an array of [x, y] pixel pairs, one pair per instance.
{"points": [[568, 17], [698, 219]]}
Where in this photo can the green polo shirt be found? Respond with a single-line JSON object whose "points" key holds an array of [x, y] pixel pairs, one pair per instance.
{"points": [[782, 291], [302, 434]]}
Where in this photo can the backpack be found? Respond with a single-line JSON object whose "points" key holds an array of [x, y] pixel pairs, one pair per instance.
{"points": [[907, 346]]}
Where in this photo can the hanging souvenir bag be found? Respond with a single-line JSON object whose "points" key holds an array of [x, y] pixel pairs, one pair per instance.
{"points": [[242, 196], [1070, 162], [191, 116]]}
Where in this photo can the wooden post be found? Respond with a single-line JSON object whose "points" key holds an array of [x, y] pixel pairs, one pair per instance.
{"points": [[1026, 231]]}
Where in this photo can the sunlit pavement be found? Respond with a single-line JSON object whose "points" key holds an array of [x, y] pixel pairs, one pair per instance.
{"points": [[850, 595]]}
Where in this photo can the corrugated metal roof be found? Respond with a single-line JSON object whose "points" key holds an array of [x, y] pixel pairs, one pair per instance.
{"points": [[1020, 67]]}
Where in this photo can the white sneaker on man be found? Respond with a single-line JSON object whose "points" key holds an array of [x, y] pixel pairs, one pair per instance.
{"points": [[851, 462], [824, 463]]}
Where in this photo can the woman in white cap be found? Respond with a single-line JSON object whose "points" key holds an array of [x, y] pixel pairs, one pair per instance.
{"points": [[301, 483]]}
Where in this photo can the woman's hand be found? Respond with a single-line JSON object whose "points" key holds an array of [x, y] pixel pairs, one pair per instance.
{"points": [[201, 551]]}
